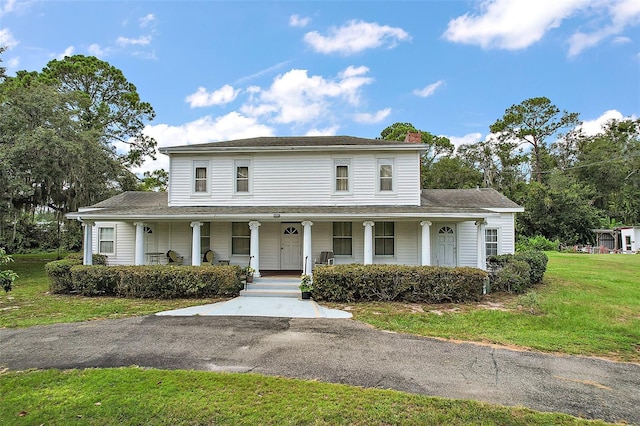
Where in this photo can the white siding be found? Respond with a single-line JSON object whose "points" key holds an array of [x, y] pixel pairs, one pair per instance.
{"points": [[292, 179], [124, 244], [467, 245], [506, 232], [407, 236]]}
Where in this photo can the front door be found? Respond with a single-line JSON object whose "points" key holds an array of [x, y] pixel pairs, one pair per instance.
{"points": [[446, 246], [290, 247]]}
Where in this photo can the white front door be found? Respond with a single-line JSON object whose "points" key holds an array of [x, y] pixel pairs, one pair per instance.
{"points": [[291, 247], [446, 246]]}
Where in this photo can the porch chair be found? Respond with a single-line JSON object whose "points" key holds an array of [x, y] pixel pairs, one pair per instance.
{"points": [[326, 258], [174, 258], [208, 257]]}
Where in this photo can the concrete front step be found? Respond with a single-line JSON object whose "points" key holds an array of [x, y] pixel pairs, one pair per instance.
{"points": [[263, 287]]}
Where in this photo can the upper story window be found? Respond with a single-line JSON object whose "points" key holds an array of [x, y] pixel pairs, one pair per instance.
{"points": [[242, 178], [491, 241], [200, 177], [342, 183], [385, 174]]}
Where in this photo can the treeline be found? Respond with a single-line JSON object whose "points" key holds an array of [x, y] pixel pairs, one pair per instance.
{"points": [[68, 138], [568, 182]]}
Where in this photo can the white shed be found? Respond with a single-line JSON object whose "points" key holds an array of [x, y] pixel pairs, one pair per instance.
{"points": [[630, 239]]}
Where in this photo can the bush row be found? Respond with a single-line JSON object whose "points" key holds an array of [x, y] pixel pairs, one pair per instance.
{"points": [[429, 284], [157, 281], [516, 272]]}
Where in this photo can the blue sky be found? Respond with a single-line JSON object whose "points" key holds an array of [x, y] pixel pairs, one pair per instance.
{"points": [[217, 70]]}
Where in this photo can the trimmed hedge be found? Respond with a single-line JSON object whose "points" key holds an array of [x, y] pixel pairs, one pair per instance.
{"points": [[98, 259], [167, 282], [507, 272], [157, 281], [430, 284], [59, 272]]}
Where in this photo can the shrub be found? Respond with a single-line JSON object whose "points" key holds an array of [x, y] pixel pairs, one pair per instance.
{"points": [[349, 283], [537, 243], [95, 280], [59, 272], [512, 277], [98, 259], [537, 262], [166, 282]]}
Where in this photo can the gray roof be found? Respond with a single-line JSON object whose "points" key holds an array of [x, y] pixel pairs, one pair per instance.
{"points": [[437, 202], [290, 142]]}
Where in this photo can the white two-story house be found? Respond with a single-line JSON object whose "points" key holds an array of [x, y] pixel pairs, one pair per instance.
{"points": [[278, 203]]}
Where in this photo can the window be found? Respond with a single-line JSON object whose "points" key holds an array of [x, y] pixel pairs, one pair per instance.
{"points": [[342, 239], [491, 241], [385, 175], [200, 172], [240, 239], [341, 176], [384, 238], [106, 240], [242, 176], [205, 237]]}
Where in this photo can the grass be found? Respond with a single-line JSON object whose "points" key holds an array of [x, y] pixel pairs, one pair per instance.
{"points": [[140, 396], [588, 305], [29, 303]]}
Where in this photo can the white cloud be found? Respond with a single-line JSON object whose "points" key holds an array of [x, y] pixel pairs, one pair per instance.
{"points": [[511, 25], [355, 37], [295, 97], [201, 98], [297, 21], [67, 52], [9, 6], [6, 38], [146, 20], [96, 50], [140, 41], [621, 40], [328, 131], [368, 118], [428, 90], [622, 13], [13, 63], [262, 72], [596, 126], [205, 129], [469, 138]]}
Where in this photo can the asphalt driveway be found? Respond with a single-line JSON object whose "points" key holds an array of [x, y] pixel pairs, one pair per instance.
{"points": [[335, 350]]}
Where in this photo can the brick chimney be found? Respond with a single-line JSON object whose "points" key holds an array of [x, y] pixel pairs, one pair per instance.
{"points": [[413, 137]]}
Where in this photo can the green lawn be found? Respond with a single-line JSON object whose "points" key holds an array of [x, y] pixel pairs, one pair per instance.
{"points": [[588, 305], [29, 303], [134, 396]]}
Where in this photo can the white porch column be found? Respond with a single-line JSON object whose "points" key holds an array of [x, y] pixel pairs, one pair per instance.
{"points": [[368, 242], [426, 243], [306, 248], [87, 257], [482, 247], [254, 225], [195, 244], [139, 249]]}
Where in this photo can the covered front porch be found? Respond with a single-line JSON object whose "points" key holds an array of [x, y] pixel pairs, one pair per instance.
{"points": [[292, 244]]}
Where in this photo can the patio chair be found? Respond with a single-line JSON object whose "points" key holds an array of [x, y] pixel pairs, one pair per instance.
{"points": [[326, 258], [208, 257], [174, 258]]}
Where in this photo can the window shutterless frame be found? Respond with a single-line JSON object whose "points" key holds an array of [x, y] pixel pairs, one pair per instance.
{"points": [[200, 178]]}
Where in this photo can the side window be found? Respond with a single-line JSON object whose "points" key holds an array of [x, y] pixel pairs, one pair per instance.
{"points": [[491, 241], [240, 238], [342, 239], [385, 175], [242, 177], [106, 240], [200, 176], [384, 238]]}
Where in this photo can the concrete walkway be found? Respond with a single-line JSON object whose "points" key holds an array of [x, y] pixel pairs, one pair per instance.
{"points": [[278, 307]]}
